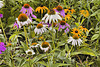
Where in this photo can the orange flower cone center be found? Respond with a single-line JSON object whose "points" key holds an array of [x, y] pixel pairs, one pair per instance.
{"points": [[59, 8], [29, 52], [34, 44], [39, 26], [62, 22], [22, 17], [75, 37], [51, 12], [54, 24], [45, 44], [26, 5]]}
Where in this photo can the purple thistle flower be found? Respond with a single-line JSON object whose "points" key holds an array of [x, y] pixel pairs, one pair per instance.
{"points": [[63, 25], [1, 15], [60, 10], [16, 25], [26, 9], [2, 47]]}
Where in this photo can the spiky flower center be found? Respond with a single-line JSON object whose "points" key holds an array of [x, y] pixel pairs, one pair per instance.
{"points": [[30, 52], [62, 22], [22, 17], [26, 5], [75, 37], [41, 5], [39, 26], [54, 24], [69, 8], [59, 8], [83, 26], [85, 12], [76, 31], [45, 44], [51, 12], [65, 13], [34, 44]]}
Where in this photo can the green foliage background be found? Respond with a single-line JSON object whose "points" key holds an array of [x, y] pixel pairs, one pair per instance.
{"points": [[87, 55]]}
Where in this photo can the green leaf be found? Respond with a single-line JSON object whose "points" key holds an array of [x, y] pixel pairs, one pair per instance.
{"points": [[24, 46], [90, 63], [11, 20], [77, 24], [60, 44], [32, 34], [95, 36], [98, 15], [95, 13], [2, 39], [87, 51], [59, 64], [82, 21], [66, 47], [43, 63], [12, 36], [37, 58]]}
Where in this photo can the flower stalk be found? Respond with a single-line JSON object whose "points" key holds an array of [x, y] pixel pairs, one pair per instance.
{"points": [[3, 30], [26, 36]]}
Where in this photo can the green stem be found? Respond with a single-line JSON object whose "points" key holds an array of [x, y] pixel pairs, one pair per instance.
{"points": [[12, 61], [3, 30], [29, 62], [53, 36], [28, 37], [64, 2], [49, 4], [17, 31], [37, 50], [47, 57], [25, 36], [41, 15], [79, 20], [69, 51], [57, 37]]}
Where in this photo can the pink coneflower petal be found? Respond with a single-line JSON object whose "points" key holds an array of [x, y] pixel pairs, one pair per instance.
{"points": [[2, 47], [1, 15], [26, 9], [30, 18], [15, 24], [63, 25], [62, 12], [34, 16]]}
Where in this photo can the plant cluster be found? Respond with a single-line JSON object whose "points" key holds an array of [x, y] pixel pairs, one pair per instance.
{"points": [[49, 33]]}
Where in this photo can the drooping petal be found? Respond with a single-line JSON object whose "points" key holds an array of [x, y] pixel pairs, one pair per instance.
{"points": [[1, 15], [34, 16], [62, 13]]}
